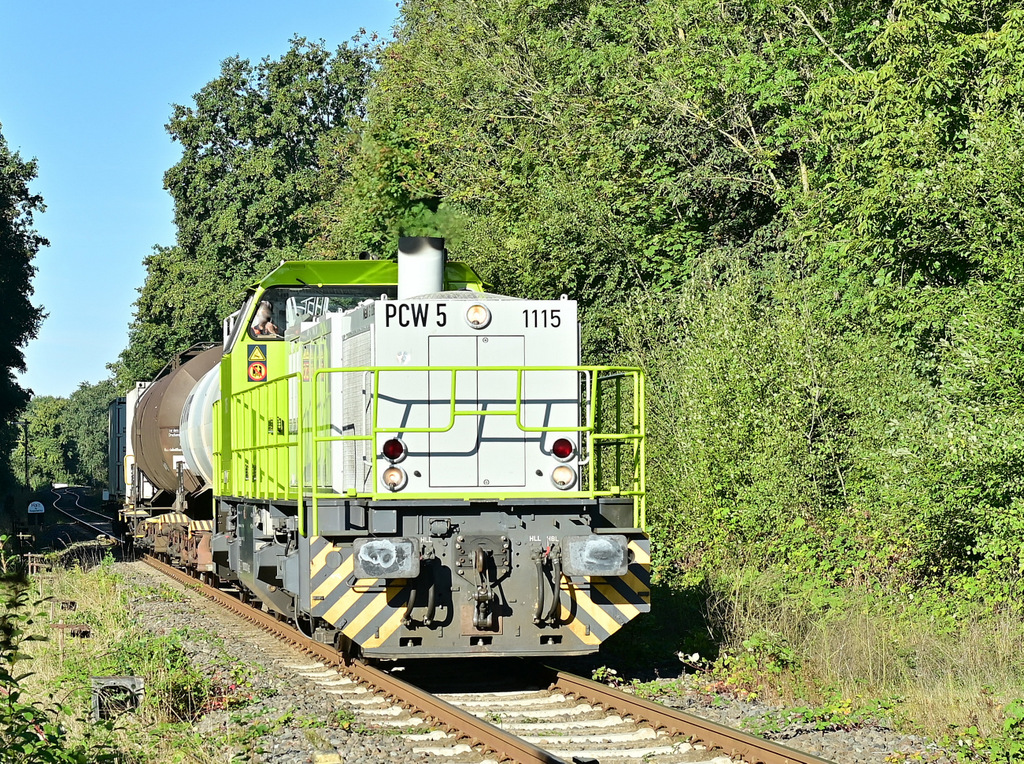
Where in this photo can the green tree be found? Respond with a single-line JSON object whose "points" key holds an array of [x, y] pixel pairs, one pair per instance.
{"points": [[245, 190], [51, 451], [86, 424], [851, 406], [810, 205], [68, 436], [599, 149], [19, 243], [915, 233]]}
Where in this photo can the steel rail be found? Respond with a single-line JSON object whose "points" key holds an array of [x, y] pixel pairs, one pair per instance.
{"points": [[78, 501], [464, 725], [731, 742], [506, 746], [67, 513]]}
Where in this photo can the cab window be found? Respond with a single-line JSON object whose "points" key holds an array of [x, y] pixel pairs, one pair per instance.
{"points": [[266, 323], [282, 311]]}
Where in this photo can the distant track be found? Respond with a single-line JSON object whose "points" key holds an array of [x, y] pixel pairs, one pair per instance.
{"points": [[82, 515]]}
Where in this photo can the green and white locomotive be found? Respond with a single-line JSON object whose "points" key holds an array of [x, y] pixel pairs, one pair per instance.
{"points": [[406, 465]]}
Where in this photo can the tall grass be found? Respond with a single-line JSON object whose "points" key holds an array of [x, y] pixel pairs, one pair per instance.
{"points": [[936, 674], [176, 693]]}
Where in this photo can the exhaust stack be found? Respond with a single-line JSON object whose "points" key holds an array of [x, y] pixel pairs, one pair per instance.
{"points": [[421, 261]]}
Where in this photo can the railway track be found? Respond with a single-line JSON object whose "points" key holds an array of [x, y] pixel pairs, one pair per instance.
{"points": [[99, 522], [567, 720]]}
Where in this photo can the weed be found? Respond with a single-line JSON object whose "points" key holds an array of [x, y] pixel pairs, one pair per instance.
{"points": [[33, 731], [316, 738], [1007, 745], [169, 593], [177, 693], [659, 688], [345, 719], [839, 714], [608, 676], [233, 687]]}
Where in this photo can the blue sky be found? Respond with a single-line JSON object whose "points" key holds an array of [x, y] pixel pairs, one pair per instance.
{"points": [[86, 89]]}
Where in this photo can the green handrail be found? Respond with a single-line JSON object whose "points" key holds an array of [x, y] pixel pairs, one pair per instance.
{"points": [[270, 426]]}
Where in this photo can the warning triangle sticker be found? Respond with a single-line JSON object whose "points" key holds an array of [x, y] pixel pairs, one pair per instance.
{"points": [[256, 354]]}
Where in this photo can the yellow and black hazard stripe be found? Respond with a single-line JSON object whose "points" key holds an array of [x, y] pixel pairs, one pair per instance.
{"points": [[600, 606], [368, 611], [319, 570], [200, 526], [169, 517]]}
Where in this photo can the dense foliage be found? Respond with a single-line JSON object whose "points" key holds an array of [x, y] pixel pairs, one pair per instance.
{"points": [[854, 409], [800, 219], [19, 243], [67, 437], [803, 220]]}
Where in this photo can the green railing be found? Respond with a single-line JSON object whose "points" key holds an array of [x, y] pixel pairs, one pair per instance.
{"points": [[276, 438], [264, 448]]}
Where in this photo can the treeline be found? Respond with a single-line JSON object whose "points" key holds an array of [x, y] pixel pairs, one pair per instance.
{"points": [[19, 244], [804, 220], [67, 438]]}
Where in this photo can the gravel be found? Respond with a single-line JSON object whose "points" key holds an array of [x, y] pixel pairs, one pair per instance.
{"points": [[274, 715], [869, 744], [279, 717]]}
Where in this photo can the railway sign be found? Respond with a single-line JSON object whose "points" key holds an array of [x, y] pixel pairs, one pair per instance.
{"points": [[36, 508], [257, 358], [258, 371]]}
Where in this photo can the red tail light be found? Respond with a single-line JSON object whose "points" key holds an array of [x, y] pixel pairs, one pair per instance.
{"points": [[562, 448], [393, 449]]}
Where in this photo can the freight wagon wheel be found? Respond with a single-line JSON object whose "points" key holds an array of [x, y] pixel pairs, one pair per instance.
{"points": [[348, 649]]}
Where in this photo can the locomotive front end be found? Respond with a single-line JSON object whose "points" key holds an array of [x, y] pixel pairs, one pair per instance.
{"points": [[434, 473], [478, 490]]}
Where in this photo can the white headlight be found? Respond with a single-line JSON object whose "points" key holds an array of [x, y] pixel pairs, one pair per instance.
{"points": [[394, 478], [595, 555], [386, 558], [563, 477], [478, 316]]}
